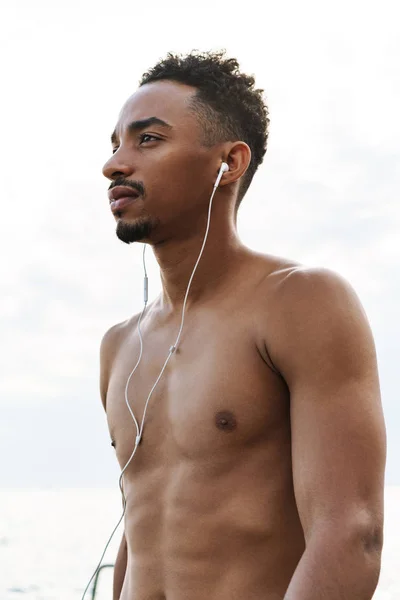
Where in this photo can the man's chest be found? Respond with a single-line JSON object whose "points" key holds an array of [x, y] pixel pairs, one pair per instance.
{"points": [[215, 395]]}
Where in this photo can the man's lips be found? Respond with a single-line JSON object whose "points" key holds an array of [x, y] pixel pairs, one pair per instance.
{"points": [[120, 196], [121, 191]]}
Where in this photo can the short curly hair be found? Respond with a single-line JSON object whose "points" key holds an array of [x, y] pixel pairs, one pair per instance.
{"points": [[226, 102]]}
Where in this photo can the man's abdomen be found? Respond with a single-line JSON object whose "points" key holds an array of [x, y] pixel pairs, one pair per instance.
{"points": [[205, 530]]}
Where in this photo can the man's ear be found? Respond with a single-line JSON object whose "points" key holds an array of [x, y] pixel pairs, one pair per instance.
{"points": [[238, 159]]}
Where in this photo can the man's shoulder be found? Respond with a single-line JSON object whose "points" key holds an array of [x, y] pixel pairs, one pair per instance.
{"points": [[289, 280], [272, 268], [296, 293], [314, 308], [300, 287], [115, 334], [111, 341], [298, 302]]}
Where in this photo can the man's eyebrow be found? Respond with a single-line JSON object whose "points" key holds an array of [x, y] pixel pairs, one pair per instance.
{"points": [[136, 126]]}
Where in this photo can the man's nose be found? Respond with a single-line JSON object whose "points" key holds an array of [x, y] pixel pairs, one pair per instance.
{"points": [[117, 165]]}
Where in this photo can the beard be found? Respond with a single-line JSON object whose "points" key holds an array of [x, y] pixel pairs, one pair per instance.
{"points": [[140, 229]]}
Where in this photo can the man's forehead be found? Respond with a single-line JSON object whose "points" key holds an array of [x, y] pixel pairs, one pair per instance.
{"points": [[166, 100]]}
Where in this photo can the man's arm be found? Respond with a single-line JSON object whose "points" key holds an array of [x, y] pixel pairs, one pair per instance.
{"points": [[323, 347], [108, 347], [120, 569]]}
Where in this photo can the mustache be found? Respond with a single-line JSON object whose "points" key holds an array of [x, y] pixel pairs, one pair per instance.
{"points": [[135, 185]]}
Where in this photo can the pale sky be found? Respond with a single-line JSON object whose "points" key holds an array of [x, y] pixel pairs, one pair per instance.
{"points": [[327, 193]]}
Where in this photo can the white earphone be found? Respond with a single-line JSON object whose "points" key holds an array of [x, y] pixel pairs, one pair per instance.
{"points": [[224, 168], [139, 428]]}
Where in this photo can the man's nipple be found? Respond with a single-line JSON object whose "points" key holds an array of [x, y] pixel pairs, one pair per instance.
{"points": [[226, 421]]}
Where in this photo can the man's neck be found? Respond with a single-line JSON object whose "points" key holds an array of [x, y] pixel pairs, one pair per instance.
{"points": [[178, 258]]}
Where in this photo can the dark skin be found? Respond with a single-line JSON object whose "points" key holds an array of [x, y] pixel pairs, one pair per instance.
{"points": [[260, 473]]}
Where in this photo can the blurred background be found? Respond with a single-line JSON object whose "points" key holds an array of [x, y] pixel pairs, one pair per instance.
{"points": [[327, 195]]}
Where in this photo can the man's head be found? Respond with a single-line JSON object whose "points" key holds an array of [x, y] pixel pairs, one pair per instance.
{"points": [[205, 112]]}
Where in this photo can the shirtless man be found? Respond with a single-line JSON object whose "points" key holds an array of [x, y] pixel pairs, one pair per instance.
{"points": [[260, 474]]}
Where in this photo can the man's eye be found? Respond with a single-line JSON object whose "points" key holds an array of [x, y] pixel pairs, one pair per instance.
{"points": [[144, 137], [147, 137]]}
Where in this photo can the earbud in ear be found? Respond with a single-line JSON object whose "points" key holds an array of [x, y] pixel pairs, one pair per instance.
{"points": [[223, 169]]}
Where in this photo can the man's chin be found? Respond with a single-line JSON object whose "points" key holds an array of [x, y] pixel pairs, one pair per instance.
{"points": [[133, 231]]}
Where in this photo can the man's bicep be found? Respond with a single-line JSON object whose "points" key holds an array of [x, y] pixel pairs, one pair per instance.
{"points": [[338, 453], [107, 352], [327, 357], [104, 352]]}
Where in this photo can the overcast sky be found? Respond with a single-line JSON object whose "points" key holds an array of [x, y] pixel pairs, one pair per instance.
{"points": [[327, 193]]}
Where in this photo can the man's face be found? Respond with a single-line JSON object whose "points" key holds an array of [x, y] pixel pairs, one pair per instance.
{"points": [[157, 153]]}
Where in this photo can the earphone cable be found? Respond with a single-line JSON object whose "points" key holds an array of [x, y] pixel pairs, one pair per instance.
{"points": [[139, 429]]}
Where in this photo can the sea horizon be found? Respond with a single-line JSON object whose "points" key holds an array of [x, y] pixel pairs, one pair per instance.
{"points": [[52, 538]]}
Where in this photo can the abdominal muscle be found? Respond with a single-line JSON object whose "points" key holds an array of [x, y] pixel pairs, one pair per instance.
{"points": [[216, 530]]}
